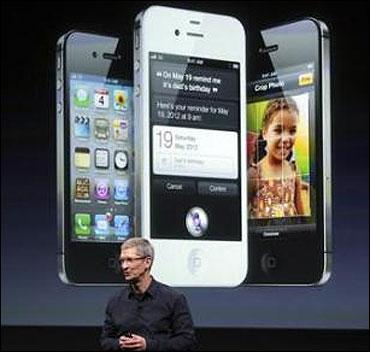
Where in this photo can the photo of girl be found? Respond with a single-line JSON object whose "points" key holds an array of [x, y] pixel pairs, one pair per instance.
{"points": [[275, 185]]}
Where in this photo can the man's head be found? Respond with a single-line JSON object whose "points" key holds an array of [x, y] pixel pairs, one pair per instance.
{"points": [[136, 259]]}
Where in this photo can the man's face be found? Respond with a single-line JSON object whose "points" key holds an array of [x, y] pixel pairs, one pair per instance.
{"points": [[133, 266]]}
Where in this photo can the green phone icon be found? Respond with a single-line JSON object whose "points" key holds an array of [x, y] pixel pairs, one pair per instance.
{"points": [[82, 224]]}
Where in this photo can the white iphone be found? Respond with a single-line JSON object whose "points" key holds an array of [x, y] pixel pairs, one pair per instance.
{"points": [[190, 145]]}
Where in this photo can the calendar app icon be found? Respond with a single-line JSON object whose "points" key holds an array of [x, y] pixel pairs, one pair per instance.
{"points": [[101, 98]]}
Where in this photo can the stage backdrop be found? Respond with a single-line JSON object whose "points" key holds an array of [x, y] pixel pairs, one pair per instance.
{"points": [[31, 292]]}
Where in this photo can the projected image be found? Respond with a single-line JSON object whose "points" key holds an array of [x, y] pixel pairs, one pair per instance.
{"points": [[278, 158], [195, 140], [101, 175]]}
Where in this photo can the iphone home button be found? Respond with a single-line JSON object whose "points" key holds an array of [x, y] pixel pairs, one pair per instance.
{"points": [[268, 262], [195, 261], [113, 264]]}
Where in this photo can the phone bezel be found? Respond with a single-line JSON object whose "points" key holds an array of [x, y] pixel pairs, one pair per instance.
{"points": [[318, 239], [82, 263], [153, 38]]}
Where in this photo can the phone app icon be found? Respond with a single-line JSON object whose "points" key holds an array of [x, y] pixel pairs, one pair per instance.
{"points": [[82, 158], [120, 129], [101, 128], [82, 126], [101, 224], [81, 97], [82, 188], [101, 98], [120, 100], [102, 189], [121, 190], [122, 225], [101, 158], [120, 160], [82, 224]]}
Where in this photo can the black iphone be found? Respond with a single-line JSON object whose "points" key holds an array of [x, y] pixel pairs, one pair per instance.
{"points": [[94, 156], [289, 155]]}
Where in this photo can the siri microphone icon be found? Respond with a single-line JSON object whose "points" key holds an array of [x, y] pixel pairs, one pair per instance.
{"points": [[196, 221]]}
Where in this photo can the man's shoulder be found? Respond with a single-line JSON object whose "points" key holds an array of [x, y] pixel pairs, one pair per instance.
{"points": [[119, 294], [168, 290]]}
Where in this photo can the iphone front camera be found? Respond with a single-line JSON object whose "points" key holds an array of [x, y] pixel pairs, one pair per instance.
{"points": [[177, 32], [94, 54]]}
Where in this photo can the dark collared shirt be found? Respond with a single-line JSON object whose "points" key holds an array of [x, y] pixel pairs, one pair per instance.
{"points": [[161, 316]]}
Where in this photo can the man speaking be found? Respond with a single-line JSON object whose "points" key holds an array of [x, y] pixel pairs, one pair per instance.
{"points": [[146, 315]]}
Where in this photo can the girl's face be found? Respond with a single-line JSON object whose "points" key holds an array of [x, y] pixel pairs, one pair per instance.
{"points": [[281, 134]]}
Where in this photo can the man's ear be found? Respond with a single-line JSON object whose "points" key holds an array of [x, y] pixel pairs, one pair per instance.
{"points": [[149, 260]]}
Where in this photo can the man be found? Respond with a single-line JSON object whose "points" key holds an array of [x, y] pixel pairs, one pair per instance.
{"points": [[146, 315]]}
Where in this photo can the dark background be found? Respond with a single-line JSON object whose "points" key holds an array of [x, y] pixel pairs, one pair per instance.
{"points": [[39, 312]]}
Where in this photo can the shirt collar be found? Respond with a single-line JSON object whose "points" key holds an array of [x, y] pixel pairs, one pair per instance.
{"points": [[150, 292]]}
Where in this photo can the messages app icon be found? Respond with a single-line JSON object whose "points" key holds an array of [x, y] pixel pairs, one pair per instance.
{"points": [[81, 97]]}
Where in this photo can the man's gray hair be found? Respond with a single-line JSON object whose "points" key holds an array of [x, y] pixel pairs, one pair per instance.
{"points": [[143, 247]]}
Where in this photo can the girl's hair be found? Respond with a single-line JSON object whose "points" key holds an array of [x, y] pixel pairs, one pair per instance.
{"points": [[275, 105], [272, 107]]}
